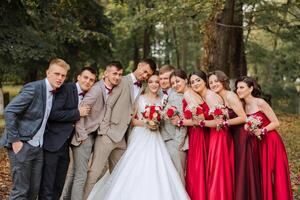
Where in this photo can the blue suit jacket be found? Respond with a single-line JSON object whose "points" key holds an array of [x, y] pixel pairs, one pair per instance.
{"points": [[64, 114], [25, 113]]}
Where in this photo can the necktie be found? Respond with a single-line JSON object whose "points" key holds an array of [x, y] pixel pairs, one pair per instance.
{"points": [[81, 94], [165, 92], [108, 89], [138, 83], [53, 91]]}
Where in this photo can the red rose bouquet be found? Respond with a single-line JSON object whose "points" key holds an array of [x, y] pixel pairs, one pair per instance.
{"points": [[170, 112], [252, 124], [218, 112], [152, 115], [193, 112]]}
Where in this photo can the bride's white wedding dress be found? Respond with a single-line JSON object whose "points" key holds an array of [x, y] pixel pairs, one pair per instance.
{"points": [[145, 171]]}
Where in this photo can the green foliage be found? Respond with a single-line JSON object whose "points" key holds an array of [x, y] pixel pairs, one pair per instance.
{"points": [[35, 31]]}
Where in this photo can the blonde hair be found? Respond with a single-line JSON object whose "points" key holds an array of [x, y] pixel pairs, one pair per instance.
{"points": [[61, 63], [165, 69]]}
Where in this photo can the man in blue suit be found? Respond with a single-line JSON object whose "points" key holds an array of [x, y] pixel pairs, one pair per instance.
{"points": [[60, 127], [25, 118]]}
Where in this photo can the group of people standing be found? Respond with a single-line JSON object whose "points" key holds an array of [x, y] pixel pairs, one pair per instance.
{"points": [[115, 154]]}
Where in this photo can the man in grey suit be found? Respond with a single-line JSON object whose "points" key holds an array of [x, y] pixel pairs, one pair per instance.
{"points": [[25, 118], [118, 114], [175, 137], [85, 140]]}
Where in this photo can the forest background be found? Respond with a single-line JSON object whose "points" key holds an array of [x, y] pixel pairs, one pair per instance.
{"points": [[260, 38]]}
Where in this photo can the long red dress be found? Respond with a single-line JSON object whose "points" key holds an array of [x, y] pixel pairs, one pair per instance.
{"points": [[246, 162], [220, 165], [196, 161], [276, 183]]}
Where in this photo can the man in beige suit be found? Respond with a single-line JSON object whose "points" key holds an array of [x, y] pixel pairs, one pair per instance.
{"points": [[118, 114], [86, 128]]}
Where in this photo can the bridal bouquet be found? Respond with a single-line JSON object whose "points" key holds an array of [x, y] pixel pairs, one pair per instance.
{"points": [[170, 112], [218, 112], [193, 112], [252, 124], [152, 115]]}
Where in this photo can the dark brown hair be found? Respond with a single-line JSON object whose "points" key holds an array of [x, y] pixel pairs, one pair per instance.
{"points": [[251, 82], [180, 73], [222, 77]]}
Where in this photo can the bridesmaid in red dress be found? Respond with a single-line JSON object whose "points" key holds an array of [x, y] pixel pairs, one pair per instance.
{"points": [[276, 184], [246, 153], [220, 161], [197, 152]]}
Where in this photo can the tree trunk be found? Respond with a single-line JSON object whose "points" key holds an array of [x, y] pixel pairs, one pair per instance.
{"points": [[147, 43], [223, 41]]}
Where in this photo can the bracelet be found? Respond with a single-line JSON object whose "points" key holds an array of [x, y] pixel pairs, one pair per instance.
{"points": [[180, 123], [264, 131], [202, 123], [225, 123]]}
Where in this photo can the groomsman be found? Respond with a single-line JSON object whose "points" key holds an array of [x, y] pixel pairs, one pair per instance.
{"points": [[175, 137], [60, 127], [25, 118], [86, 135], [111, 142]]}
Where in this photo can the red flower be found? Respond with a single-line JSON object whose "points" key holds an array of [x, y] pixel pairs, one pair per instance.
{"points": [[158, 117], [249, 123], [218, 111], [188, 114], [170, 112], [152, 110], [199, 110]]}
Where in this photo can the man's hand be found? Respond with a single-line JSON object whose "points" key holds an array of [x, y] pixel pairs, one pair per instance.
{"points": [[17, 146], [84, 110]]}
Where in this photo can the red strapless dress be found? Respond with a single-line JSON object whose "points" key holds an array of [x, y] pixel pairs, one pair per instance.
{"points": [[220, 165], [196, 184], [276, 183]]}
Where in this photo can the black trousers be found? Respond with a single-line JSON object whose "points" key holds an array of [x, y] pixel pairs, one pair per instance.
{"points": [[26, 168], [54, 173]]}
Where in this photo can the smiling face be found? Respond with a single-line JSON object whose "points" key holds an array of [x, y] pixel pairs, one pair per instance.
{"points": [[143, 71], [86, 80], [243, 90], [113, 76], [153, 83], [214, 84], [197, 83], [56, 75], [178, 84], [164, 80]]}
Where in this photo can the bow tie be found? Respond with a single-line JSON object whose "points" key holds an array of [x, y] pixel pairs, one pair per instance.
{"points": [[138, 83], [53, 91], [81, 94], [165, 92], [108, 89]]}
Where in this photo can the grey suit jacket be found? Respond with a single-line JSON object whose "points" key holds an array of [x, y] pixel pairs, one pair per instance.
{"points": [[95, 98], [25, 113], [119, 110], [171, 132]]}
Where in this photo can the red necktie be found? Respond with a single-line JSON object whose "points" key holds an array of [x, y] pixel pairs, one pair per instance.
{"points": [[81, 94], [108, 89], [138, 83], [53, 91]]}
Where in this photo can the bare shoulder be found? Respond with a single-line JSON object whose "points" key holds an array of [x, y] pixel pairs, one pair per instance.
{"points": [[232, 97]]}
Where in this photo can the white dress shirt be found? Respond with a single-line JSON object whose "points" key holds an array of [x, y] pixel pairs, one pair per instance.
{"points": [[136, 89]]}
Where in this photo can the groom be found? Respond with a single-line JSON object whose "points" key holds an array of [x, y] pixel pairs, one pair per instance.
{"points": [[175, 137], [25, 118], [119, 111]]}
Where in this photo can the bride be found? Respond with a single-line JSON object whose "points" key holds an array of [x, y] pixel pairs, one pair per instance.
{"points": [[145, 171]]}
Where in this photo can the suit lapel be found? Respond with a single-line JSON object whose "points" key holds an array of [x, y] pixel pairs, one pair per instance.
{"points": [[75, 93], [44, 95], [131, 86], [103, 90]]}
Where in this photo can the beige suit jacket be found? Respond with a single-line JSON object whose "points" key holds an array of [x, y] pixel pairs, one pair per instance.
{"points": [[95, 98], [119, 110]]}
